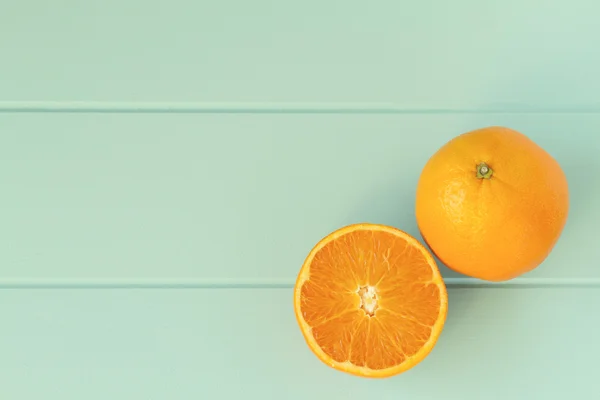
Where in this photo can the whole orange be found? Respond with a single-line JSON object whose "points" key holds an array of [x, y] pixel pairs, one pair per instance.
{"points": [[491, 203]]}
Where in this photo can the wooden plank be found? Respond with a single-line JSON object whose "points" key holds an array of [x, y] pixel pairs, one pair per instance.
{"points": [[423, 54], [240, 198], [233, 344]]}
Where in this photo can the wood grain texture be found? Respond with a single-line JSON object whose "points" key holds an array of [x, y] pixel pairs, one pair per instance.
{"points": [[239, 198], [423, 54], [522, 344]]}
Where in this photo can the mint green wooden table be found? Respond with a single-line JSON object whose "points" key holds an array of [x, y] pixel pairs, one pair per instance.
{"points": [[167, 165]]}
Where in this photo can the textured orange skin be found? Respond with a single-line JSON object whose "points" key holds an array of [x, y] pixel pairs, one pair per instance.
{"points": [[492, 229]]}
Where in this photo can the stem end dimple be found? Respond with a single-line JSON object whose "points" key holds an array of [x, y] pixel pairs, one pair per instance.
{"points": [[484, 171]]}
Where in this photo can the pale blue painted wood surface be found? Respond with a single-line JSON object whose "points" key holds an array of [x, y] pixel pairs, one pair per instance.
{"points": [[207, 197], [243, 344], [140, 253], [427, 53]]}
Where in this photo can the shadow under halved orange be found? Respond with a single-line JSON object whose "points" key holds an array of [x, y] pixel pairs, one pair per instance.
{"points": [[370, 300]]}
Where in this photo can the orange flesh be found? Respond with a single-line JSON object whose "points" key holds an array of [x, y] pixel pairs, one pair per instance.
{"points": [[371, 300]]}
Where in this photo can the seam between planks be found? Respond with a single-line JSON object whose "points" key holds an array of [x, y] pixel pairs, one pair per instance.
{"points": [[273, 284], [272, 108]]}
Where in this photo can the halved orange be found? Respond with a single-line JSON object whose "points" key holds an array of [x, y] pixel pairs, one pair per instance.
{"points": [[370, 300]]}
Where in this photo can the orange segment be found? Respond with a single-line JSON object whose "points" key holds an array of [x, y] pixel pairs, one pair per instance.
{"points": [[370, 300]]}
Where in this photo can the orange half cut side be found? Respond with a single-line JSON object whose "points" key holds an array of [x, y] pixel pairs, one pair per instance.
{"points": [[370, 300]]}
